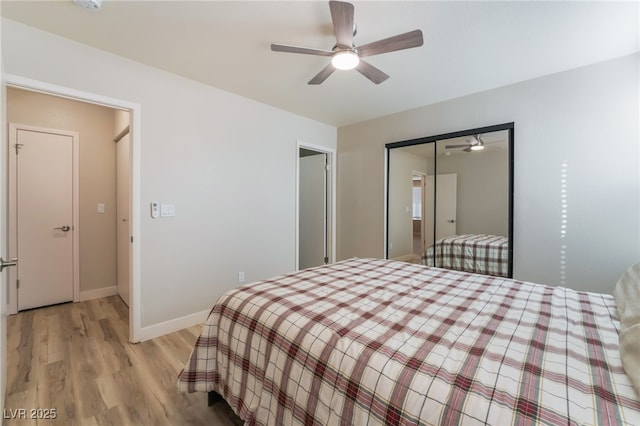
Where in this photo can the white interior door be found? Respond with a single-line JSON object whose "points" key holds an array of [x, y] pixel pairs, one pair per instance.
{"points": [[429, 214], [43, 177], [446, 204], [3, 248], [123, 225], [418, 180], [313, 214], [423, 223]]}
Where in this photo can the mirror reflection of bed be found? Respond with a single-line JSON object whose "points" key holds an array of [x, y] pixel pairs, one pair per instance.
{"points": [[449, 201]]}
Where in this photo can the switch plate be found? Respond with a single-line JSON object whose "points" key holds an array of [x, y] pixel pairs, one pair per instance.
{"points": [[240, 277], [167, 210], [101, 208]]}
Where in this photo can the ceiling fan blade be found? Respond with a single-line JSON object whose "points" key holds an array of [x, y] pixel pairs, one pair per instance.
{"points": [[304, 50], [371, 72], [322, 75], [457, 146], [342, 17], [391, 44]]}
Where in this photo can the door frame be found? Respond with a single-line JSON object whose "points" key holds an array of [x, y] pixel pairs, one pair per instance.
{"points": [[331, 188], [509, 127], [125, 133], [12, 205], [134, 109], [423, 182]]}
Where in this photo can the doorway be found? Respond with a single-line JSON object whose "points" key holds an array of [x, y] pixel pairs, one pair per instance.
{"points": [[315, 229], [132, 112], [43, 219], [418, 184]]}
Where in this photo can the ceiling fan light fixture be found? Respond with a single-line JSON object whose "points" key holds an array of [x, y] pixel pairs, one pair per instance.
{"points": [[345, 55], [345, 60], [477, 144]]}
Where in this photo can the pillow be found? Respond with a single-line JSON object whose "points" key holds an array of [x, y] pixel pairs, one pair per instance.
{"points": [[627, 297], [630, 353]]}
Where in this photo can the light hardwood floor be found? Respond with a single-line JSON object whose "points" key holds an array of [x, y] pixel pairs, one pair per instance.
{"points": [[75, 358]]}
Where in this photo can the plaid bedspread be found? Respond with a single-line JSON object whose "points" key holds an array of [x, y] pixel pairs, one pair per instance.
{"points": [[373, 342], [478, 253]]}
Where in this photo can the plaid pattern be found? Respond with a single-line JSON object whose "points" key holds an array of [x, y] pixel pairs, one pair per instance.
{"points": [[482, 254], [378, 342]]}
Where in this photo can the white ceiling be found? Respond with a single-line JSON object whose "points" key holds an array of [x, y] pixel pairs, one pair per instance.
{"points": [[468, 46]]}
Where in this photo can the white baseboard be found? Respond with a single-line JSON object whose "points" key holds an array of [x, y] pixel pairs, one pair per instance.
{"points": [[170, 326], [98, 293]]}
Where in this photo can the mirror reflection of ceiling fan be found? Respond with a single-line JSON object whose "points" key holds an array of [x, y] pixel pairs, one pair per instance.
{"points": [[345, 55], [474, 143]]}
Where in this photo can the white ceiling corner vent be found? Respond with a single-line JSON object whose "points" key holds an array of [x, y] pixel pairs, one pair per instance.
{"points": [[92, 5]]}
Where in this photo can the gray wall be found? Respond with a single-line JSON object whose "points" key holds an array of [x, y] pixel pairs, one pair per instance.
{"points": [[483, 191], [575, 131]]}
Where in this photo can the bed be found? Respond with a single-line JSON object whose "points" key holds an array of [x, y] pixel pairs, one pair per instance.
{"points": [[479, 253], [380, 342]]}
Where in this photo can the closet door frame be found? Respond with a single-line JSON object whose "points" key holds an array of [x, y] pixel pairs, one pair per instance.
{"points": [[509, 127]]}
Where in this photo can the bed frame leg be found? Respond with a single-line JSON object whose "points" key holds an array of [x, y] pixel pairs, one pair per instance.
{"points": [[213, 397]]}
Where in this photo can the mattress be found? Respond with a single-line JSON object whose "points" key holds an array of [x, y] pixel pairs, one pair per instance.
{"points": [[478, 253], [379, 342]]}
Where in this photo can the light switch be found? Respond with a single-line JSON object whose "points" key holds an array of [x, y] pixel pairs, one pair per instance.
{"points": [[100, 208], [167, 210]]}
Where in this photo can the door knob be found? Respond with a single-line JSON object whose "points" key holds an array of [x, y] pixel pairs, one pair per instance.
{"points": [[63, 228], [451, 221], [7, 263]]}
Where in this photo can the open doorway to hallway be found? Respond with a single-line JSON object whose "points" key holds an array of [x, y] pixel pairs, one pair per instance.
{"points": [[94, 214], [315, 206]]}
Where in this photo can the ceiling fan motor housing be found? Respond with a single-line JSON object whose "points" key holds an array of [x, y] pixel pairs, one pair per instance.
{"points": [[91, 5]]}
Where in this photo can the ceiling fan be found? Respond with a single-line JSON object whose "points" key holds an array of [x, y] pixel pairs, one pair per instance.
{"points": [[345, 54], [474, 143]]}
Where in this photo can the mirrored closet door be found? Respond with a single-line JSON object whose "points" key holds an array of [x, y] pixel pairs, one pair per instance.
{"points": [[450, 200]]}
